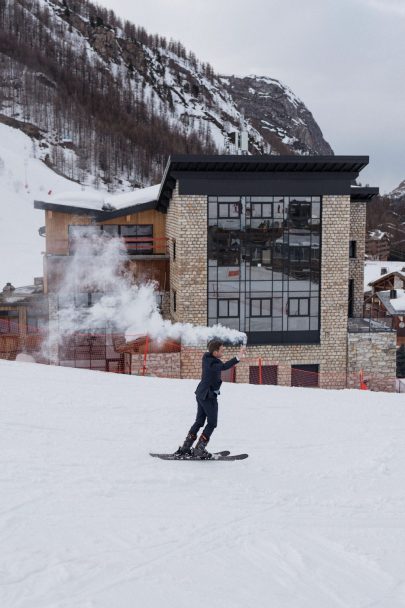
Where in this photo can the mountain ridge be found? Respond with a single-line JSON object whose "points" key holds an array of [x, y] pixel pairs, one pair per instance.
{"points": [[111, 101]]}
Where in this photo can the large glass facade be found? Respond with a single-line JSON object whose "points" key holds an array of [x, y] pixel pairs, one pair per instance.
{"points": [[264, 262]]}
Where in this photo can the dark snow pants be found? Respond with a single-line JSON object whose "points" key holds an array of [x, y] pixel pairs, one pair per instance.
{"points": [[207, 409]]}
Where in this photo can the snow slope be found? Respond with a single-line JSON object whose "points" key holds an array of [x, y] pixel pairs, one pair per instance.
{"points": [[315, 517], [23, 178]]}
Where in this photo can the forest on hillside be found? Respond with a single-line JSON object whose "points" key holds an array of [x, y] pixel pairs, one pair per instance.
{"points": [[77, 78], [388, 214]]}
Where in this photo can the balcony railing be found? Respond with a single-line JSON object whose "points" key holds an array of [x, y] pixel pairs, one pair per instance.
{"points": [[371, 324]]}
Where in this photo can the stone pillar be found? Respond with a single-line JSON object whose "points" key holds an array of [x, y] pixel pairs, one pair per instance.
{"points": [[334, 290], [187, 225], [358, 234]]}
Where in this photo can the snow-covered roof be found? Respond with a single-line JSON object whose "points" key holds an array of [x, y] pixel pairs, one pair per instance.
{"points": [[394, 306], [377, 235], [104, 201], [399, 302], [373, 270]]}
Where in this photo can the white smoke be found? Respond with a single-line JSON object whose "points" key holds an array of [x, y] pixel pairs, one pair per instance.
{"points": [[99, 266]]}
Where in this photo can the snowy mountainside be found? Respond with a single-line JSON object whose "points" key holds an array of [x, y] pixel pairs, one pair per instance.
{"points": [[314, 517], [112, 102], [23, 178], [398, 194]]}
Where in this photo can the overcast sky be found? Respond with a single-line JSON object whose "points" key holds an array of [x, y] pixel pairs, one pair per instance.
{"points": [[344, 58]]}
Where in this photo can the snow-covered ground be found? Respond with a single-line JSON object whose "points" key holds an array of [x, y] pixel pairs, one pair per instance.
{"points": [[23, 179], [315, 517]]}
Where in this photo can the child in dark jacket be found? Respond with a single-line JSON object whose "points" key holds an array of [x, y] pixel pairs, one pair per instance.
{"points": [[207, 404]]}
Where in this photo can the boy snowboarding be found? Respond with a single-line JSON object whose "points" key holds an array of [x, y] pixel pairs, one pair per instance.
{"points": [[207, 405]]}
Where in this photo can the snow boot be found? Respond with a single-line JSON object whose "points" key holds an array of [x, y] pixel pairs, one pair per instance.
{"points": [[200, 449], [185, 449]]}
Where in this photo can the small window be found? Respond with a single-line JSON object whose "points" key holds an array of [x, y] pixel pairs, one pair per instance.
{"points": [[305, 375], [268, 374], [77, 234], [229, 210], [138, 238], [174, 301], [8, 322], [298, 307], [262, 210], [352, 249], [174, 249], [228, 308], [261, 307]]}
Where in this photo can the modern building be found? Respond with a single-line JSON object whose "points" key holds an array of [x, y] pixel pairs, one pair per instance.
{"points": [[272, 246]]}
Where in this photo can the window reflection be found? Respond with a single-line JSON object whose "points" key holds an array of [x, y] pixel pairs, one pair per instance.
{"points": [[264, 254]]}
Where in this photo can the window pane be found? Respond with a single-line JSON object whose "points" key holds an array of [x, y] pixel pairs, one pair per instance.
{"points": [[145, 230], [233, 308], [267, 210], [81, 300], [234, 210], [223, 210], [266, 308], [292, 307], [212, 210], [304, 307], [110, 230], [255, 307], [129, 230], [212, 308], [222, 308], [316, 210]]}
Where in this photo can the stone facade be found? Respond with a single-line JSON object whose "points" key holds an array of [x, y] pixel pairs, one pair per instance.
{"points": [[189, 277], [186, 226], [356, 272], [375, 355], [165, 365], [340, 355]]}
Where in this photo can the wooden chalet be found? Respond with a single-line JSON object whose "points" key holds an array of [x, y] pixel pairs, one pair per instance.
{"points": [[131, 216], [23, 318], [384, 302]]}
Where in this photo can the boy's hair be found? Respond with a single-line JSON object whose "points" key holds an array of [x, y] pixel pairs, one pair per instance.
{"points": [[214, 345]]}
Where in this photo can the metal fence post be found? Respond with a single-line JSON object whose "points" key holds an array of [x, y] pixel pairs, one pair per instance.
{"points": [[145, 355]]}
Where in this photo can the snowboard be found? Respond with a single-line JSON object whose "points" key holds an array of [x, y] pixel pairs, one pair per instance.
{"points": [[224, 455]]}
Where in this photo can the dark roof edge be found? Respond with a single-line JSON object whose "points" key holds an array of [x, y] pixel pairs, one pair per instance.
{"points": [[108, 215], [98, 214], [247, 164], [266, 158], [65, 208], [363, 193]]}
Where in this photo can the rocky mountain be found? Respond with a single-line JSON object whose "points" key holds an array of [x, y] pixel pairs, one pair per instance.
{"points": [[398, 194], [277, 114], [105, 103]]}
